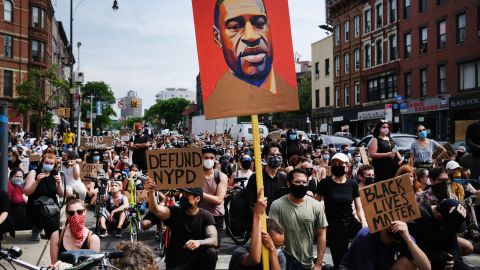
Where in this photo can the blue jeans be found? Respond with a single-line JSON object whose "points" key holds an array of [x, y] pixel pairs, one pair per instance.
{"points": [[294, 264]]}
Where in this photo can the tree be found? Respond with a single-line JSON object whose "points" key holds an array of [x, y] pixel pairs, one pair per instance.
{"points": [[32, 100], [101, 92], [171, 110]]}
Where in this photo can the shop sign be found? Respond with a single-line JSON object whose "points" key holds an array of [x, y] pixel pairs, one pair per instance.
{"points": [[375, 114], [469, 102], [337, 119], [428, 105]]}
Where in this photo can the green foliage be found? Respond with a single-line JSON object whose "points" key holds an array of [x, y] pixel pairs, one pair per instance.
{"points": [[32, 101], [101, 92], [128, 123], [171, 110]]}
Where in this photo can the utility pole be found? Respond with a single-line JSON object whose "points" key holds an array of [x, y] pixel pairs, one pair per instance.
{"points": [[72, 61], [4, 145], [91, 115]]}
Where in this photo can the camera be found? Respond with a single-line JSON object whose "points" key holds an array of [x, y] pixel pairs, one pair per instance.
{"points": [[140, 177]]}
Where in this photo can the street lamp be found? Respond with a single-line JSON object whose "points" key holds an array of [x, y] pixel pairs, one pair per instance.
{"points": [[115, 5]]}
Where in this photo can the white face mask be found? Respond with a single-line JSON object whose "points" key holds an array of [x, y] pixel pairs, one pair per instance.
{"points": [[208, 164]]}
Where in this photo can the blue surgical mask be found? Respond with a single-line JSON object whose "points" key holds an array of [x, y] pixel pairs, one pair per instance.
{"points": [[422, 134], [96, 158], [47, 167], [293, 137], [358, 159], [326, 157], [17, 181]]}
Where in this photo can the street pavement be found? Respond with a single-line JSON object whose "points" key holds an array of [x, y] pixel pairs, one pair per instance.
{"points": [[38, 253]]}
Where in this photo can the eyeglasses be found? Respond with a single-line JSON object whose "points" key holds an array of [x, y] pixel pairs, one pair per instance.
{"points": [[79, 212]]}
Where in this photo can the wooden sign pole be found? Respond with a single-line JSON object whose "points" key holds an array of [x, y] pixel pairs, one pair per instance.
{"points": [[259, 178]]}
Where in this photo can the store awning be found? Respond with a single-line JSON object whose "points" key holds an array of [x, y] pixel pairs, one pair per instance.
{"points": [[14, 117]]}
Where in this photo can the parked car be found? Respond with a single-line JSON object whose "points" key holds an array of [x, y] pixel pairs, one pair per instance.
{"points": [[338, 141], [276, 135], [402, 141], [244, 130]]}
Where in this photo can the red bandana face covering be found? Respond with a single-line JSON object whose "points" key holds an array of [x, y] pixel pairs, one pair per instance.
{"points": [[76, 224]]}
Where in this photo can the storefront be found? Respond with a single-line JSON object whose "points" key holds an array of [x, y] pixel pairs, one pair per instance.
{"points": [[431, 112], [346, 117], [322, 120], [368, 119], [464, 110]]}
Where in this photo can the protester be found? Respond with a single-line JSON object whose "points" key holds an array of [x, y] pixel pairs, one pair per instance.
{"points": [[139, 144], [338, 193], [365, 175], [391, 248], [422, 150], [357, 162], [42, 187], [74, 235], [68, 139], [325, 160], [6, 224], [407, 169], [383, 151], [193, 233], [136, 256], [244, 170], [423, 180], [71, 172], [305, 220], [318, 173], [18, 200], [113, 216], [14, 160], [440, 189]]}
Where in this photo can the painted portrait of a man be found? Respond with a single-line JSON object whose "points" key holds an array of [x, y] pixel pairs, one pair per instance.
{"points": [[244, 57]]}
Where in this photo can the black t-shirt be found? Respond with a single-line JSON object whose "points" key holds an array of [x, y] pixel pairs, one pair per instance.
{"points": [[4, 201], [46, 187], [273, 188], [183, 228], [138, 155], [338, 199]]}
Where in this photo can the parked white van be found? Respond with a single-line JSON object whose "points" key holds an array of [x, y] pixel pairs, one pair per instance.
{"points": [[244, 130]]}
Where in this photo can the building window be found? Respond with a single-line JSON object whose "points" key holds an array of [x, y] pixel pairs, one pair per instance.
{"points": [[38, 51], [357, 58], [357, 93], [442, 34], [8, 46], [337, 35], [346, 94], [367, 20], [406, 8], [327, 66], [327, 96], [440, 2], [393, 10], [8, 83], [356, 24], [7, 10], [346, 30], [367, 56], [377, 90], [442, 79], [407, 45], [461, 28], [379, 10], [423, 82], [337, 97], [469, 75], [317, 70], [422, 5], [337, 65], [38, 17], [392, 47], [317, 98], [379, 53], [346, 59], [423, 40], [407, 82]]}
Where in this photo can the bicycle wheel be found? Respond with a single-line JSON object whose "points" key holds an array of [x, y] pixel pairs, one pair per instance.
{"points": [[239, 236], [97, 218], [134, 229]]}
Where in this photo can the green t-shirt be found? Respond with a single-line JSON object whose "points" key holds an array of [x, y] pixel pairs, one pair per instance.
{"points": [[301, 223]]}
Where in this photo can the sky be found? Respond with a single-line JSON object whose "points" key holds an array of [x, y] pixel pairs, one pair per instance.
{"points": [[149, 45]]}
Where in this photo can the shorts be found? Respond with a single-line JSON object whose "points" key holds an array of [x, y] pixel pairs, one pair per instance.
{"points": [[115, 220]]}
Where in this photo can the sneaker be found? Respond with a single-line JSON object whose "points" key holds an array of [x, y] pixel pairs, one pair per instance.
{"points": [[103, 233], [36, 236], [118, 234]]}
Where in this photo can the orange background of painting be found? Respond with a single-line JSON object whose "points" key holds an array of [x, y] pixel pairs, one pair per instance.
{"points": [[210, 56]]}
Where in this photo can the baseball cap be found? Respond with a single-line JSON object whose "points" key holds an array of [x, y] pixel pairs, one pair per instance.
{"points": [[452, 165], [461, 148], [193, 191], [452, 218], [341, 156]]}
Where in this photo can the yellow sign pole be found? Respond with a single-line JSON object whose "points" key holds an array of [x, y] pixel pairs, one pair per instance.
{"points": [[259, 178]]}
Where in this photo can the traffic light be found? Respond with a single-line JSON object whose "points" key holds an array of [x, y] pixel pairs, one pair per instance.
{"points": [[134, 103]]}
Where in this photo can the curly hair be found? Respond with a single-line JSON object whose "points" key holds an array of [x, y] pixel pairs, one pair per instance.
{"points": [[137, 256]]}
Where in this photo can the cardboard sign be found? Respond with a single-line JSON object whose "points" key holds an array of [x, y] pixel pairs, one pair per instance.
{"points": [[363, 153], [35, 158], [176, 168], [89, 169], [328, 170], [388, 201], [97, 143], [242, 76]]}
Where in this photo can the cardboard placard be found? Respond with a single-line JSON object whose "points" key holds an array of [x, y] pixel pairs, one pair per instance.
{"points": [[363, 153], [97, 142], [328, 170], [388, 201], [176, 168], [89, 169], [35, 158]]}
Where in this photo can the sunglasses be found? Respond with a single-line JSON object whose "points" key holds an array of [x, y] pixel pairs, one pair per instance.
{"points": [[420, 130], [79, 212]]}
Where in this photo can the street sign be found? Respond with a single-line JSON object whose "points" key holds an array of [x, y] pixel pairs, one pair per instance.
{"points": [[399, 98], [121, 104]]}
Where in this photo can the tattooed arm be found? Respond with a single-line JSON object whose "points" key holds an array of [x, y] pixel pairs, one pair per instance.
{"points": [[211, 240]]}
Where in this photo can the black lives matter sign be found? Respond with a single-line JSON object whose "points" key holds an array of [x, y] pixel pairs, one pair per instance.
{"points": [[176, 168], [388, 201]]}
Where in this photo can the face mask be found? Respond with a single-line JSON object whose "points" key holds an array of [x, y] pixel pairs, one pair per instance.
{"points": [[369, 180], [96, 158], [17, 181], [292, 137], [125, 160], [338, 170], [298, 191], [76, 224], [185, 204], [358, 159], [440, 190], [325, 157], [274, 161], [47, 167], [422, 134], [246, 164], [384, 131], [208, 164], [116, 158], [115, 189]]}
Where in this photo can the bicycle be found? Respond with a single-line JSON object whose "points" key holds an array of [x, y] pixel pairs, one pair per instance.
{"points": [[235, 219], [164, 231], [133, 212]]}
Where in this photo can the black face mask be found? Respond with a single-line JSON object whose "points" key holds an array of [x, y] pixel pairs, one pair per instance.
{"points": [[274, 161], [246, 164], [185, 204], [338, 171], [298, 191], [369, 180]]}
